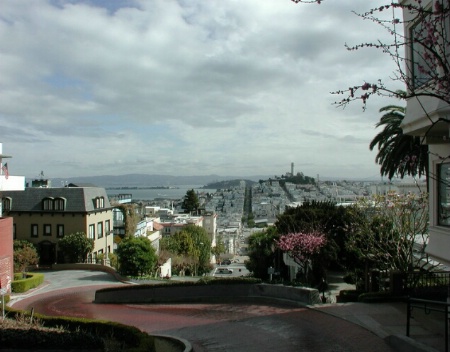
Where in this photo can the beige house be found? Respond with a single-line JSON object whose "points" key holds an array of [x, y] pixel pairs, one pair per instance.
{"points": [[173, 224], [45, 215], [429, 117]]}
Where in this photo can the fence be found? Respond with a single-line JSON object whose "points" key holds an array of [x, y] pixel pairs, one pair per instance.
{"points": [[428, 307], [422, 284], [433, 284]]}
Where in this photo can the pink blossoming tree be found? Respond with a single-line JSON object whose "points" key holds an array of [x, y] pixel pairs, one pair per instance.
{"points": [[425, 68], [301, 246]]}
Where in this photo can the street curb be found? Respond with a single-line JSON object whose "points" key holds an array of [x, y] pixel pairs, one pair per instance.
{"points": [[406, 344], [166, 343]]}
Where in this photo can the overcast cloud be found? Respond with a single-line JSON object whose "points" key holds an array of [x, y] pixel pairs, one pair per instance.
{"points": [[188, 87]]}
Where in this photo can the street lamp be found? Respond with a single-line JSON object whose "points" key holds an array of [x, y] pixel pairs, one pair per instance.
{"points": [[106, 256]]}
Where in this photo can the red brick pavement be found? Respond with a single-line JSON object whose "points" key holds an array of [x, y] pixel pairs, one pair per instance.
{"points": [[218, 327]]}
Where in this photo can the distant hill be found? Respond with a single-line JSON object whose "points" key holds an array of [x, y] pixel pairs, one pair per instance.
{"points": [[300, 179], [143, 180]]}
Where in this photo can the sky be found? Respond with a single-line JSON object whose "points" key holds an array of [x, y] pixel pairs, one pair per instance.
{"points": [[187, 87]]}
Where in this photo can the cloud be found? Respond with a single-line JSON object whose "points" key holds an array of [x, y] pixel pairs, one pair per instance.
{"points": [[185, 87]]}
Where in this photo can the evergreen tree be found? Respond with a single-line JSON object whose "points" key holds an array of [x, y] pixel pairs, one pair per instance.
{"points": [[191, 202]]}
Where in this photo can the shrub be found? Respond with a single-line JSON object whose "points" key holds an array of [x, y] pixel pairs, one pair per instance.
{"points": [[7, 298], [378, 297], [349, 295], [85, 333], [203, 281], [136, 256], [25, 255], [76, 246], [32, 280], [20, 338]]}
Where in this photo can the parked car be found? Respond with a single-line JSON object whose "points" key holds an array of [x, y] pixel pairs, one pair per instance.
{"points": [[224, 271], [226, 262]]}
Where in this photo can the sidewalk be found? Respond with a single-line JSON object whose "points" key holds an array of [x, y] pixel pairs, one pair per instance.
{"points": [[388, 320]]}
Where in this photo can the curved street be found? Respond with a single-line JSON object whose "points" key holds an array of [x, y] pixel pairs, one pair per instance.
{"points": [[209, 327]]}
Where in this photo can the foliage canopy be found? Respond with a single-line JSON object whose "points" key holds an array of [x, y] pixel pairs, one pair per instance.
{"points": [[193, 244], [398, 154], [136, 256], [25, 255], [190, 202], [76, 247], [262, 252], [392, 232]]}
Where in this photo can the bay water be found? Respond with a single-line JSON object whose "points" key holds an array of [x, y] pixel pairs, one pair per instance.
{"points": [[146, 194]]}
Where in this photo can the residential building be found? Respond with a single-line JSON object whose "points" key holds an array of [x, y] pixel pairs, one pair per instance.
{"points": [[6, 255], [43, 216], [210, 225], [7, 182], [173, 224], [429, 118]]}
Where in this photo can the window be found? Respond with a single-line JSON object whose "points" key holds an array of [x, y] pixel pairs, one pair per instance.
{"points": [[60, 231], [423, 65], [59, 204], [92, 232], [14, 232], [99, 202], [34, 230], [444, 194], [107, 228], [47, 230], [47, 204], [6, 203], [100, 230]]}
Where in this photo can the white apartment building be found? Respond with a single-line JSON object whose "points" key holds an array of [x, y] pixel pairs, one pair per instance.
{"points": [[429, 118]]}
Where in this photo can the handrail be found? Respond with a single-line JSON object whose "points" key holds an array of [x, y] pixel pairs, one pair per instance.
{"points": [[428, 306]]}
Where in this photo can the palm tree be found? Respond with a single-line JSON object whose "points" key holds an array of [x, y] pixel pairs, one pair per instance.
{"points": [[398, 154]]}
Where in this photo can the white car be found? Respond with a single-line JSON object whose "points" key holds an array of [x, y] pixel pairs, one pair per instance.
{"points": [[224, 271]]}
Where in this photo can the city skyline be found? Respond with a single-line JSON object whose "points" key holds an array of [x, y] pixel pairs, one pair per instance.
{"points": [[187, 88]]}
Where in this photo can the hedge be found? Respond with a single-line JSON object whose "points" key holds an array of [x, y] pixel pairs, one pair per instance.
{"points": [[202, 282], [32, 280], [131, 337]]}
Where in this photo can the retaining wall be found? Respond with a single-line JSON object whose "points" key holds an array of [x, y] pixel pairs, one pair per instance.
{"points": [[195, 293], [204, 293]]}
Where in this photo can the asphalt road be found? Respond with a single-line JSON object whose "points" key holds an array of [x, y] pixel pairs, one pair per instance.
{"points": [[209, 327]]}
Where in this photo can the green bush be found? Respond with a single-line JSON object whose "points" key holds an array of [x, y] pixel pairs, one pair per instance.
{"points": [[378, 297], [349, 296], [350, 278], [367, 297], [7, 298], [130, 338], [203, 281], [113, 260], [32, 280], [40, 339]]}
